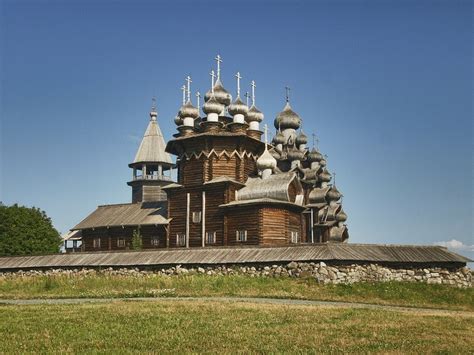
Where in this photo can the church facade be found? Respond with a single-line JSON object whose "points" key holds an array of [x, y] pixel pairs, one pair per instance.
{"points": [[233, 188]]}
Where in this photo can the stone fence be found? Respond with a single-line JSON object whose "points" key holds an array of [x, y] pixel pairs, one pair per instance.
{"points": [[322, 272]]}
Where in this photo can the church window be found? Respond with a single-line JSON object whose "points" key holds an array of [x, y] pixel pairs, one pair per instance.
{"points": [[180, 240], [155, 241], [241, 235], [96, 243], [196, 217], [210, 237], [295, 237], [121, 242]]}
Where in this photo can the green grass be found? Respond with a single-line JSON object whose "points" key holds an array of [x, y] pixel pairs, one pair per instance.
{"points": [[102, 286], [211, 327]]}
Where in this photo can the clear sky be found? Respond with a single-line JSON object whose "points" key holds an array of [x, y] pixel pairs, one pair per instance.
{"points": [[386, 86]]}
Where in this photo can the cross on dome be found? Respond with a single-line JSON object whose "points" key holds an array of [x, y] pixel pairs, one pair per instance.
{"points": [[198, 97], [218, 59], [238, 83], [247, 96], [183, 88], [253, 91], [287, 93], [153, 104], [188, 81], [213, 77]]}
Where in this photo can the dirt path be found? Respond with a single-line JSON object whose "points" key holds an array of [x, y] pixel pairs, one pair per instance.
{"points": [[275, 301]]}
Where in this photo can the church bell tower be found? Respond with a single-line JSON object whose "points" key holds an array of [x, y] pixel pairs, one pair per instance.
{"points": [[152, 166]]}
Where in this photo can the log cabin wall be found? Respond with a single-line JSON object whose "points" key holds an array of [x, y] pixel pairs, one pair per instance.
{"points": [[244, 218], [278, 223], [215, 195], [153, 237]]}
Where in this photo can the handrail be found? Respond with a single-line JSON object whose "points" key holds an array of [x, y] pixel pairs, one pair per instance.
{"points": [[152, 177]]}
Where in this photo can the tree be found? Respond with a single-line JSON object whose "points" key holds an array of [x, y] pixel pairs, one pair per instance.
{"points": [[26, 231], [137, 240]]}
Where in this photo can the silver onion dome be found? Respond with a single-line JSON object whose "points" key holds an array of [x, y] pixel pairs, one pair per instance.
{"points": [[287, 118], [178, 120], [254, 115], [295, 154], [323, 162], [279, 138], [188, 110], [325, 176], [333, 194], [238, 107], [266, 161], [212, 106], [315, 156], [301, 139], [221, 94], [341, 216]]}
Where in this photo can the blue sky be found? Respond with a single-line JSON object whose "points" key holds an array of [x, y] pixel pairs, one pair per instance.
{"points": [[386, 85]]}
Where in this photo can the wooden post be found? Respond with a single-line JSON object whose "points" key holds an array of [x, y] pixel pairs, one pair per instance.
{"points": [[312, 225], [203, 218], [188, 211]]}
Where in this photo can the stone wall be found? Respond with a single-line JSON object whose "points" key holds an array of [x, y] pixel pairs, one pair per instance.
{"points": [[322, 272]]}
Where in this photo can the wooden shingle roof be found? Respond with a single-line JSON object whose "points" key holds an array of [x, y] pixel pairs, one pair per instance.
{"points": [[370, 253], [152, 147], [126, 214]]}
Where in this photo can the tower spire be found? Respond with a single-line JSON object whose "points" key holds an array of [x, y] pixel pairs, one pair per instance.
{"points": [[153, 112], [188, 82], [253, 91], [218, 59], [238, 83]]}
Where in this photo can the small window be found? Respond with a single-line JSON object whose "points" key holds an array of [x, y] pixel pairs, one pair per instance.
{"points": [[241, 236], [96, 243], [210, 237], [155, 241], [295, 237], [180, 240], [121, 242], [196, 217]]}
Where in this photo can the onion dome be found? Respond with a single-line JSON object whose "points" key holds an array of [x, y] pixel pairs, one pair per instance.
{"points": [[188, 110], [295, 154], [178, 120], [221, 94], [266, 161], [315, 156], [333, 194], [287, 118], [323, 162], [318, 195], [279, 138], [341, 216], [254, 115], [325, 176], [238, 107], [212, 106], [301, 139]]}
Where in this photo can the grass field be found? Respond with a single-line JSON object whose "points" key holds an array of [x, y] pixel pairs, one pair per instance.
{"points": [[183, 327], [101, 286]]}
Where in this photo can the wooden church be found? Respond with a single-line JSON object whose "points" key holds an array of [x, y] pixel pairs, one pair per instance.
{"points": [[232, 188]]}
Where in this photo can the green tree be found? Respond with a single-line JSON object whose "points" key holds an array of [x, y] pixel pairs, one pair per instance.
{"points": [[137, 240], [26, 231]]}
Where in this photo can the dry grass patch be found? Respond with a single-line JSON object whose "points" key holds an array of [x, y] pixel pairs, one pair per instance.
{"points": [[179, 327]]}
